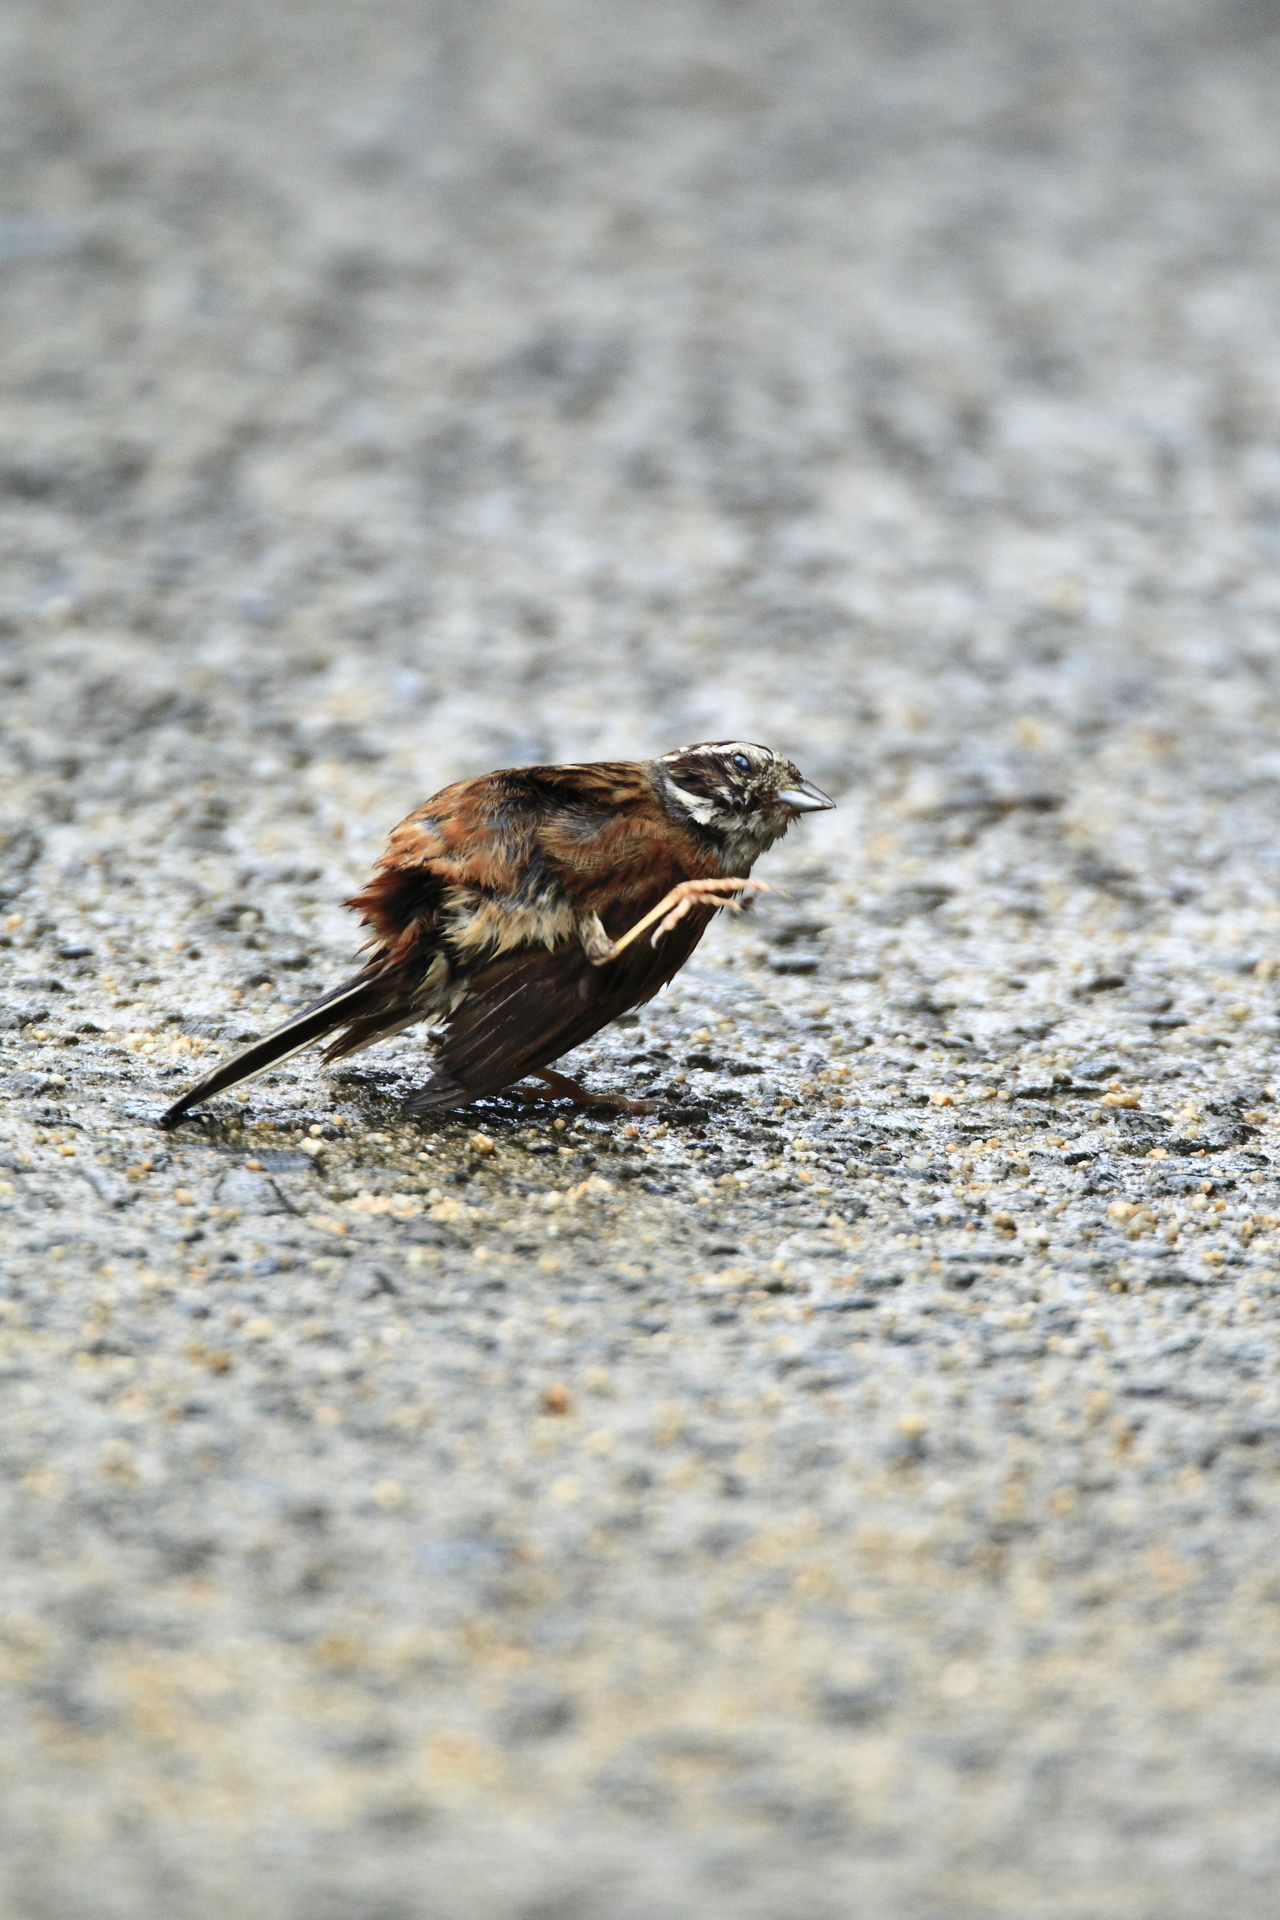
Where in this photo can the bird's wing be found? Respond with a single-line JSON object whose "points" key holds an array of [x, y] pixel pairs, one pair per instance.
{"points": [[526, 1009]]}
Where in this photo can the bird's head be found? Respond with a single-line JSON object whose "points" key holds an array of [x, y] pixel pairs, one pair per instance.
{"points": [[742, 795]]}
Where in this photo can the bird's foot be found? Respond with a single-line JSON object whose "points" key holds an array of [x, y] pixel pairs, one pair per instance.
{"points": [[700, 893], [670, 910], [558, 1086]]}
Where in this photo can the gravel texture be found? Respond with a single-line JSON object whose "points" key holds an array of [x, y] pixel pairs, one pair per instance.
{"points": [[852, 1488]]}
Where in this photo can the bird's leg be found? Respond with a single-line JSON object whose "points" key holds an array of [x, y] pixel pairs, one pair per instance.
{"points": [[671, 909], [561, 1087]]}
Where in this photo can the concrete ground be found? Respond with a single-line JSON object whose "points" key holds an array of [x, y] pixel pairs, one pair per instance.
{"points": [[851, 1490]]}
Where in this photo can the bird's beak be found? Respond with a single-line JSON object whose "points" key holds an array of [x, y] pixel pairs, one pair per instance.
{"points": [[805, 798]]}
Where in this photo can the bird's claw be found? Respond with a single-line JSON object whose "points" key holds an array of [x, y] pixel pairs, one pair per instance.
{"points": [[702, 892], [559, 1086]]}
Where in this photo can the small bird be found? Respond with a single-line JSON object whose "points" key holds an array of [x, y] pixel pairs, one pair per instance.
{"points": [[509, 912]]}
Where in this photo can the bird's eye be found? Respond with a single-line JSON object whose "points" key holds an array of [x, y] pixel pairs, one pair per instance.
{"points": [[742, 763]]}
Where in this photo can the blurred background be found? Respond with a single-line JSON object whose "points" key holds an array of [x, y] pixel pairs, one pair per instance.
{"points": [[414, 387]]}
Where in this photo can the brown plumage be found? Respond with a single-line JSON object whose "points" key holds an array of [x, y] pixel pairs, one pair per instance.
{"points": [[510, 912]]}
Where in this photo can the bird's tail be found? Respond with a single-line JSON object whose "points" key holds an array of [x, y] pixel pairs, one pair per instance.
{"points": [[346, 1003]]}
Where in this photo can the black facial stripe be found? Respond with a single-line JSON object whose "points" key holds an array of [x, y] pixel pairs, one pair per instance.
{"points": [[695, 774]]}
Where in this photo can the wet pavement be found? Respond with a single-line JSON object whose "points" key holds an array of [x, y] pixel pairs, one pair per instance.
{"points": [[851, 1486]]}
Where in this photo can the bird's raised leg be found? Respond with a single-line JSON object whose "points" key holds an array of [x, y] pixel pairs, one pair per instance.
{"points": [[670, 910]]}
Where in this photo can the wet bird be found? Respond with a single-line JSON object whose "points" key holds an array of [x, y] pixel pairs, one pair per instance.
{"points": [[517, 914]]}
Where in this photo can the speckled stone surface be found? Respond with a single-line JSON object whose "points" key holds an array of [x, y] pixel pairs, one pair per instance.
{"points": [[851, 1488]]}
